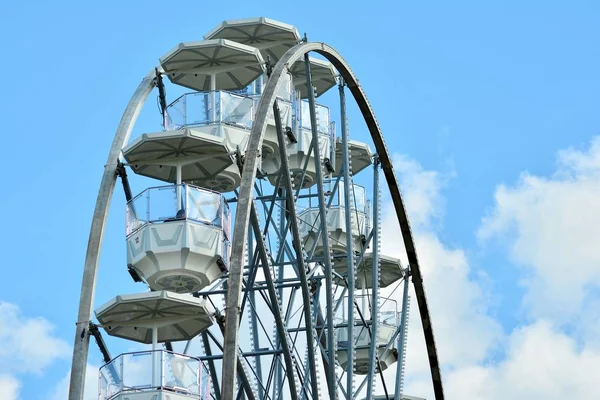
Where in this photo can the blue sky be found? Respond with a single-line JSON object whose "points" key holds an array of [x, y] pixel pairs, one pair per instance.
{"points": [[477, 94]]}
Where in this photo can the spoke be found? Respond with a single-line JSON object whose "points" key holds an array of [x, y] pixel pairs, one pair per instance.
{"points": [[211, 365], [349, 243], [301, 269], [273, 297], [402, 340], [324, 236]]}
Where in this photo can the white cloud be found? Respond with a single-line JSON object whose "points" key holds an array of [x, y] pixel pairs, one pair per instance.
{"points": [[28, 344], [552, 228], [9, 387], [420, 190], [541, 363], [464, 332]]}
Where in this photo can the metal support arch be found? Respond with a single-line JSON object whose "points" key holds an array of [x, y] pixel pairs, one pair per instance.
{"points": [[242, 218], [92, 257]]}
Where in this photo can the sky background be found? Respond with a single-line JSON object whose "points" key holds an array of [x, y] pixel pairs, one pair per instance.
{"points": [[490, 110]]}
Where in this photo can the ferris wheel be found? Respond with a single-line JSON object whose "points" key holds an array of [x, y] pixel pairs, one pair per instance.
{"points": [[260, 241]]}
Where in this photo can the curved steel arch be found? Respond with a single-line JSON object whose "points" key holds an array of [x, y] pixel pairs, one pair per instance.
{"points": [[90, 268], [242, 217]]}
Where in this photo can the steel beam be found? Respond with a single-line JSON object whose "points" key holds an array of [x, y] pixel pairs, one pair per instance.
{"points": [[324, 232], [253, 326], [264, 260], [241, 373], [375, 279], [293, 221], [349, 243], [211, 365], [90, 268]]}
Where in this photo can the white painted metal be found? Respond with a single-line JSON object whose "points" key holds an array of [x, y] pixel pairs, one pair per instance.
{"points": [[270, 146], [323, 76], [178, 183], [390, 270], [217, 64], [175, 316], [360, 153], [272, 38], [297, 157], [203, 156], [336, 225], [181, 256], [155, 357]]}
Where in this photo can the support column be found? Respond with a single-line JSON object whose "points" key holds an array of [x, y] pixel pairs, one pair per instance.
{"points": [[278, 368], [213, 98], [373, 364], [349, 243], [178, 183], [324, 235], [293, 220], [402, 339], [155, 358]]}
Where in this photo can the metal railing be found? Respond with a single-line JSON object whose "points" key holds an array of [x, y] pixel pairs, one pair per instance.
{"points": [[158, 370], [322, 115], [358, 199], [237, 109], [160, 204], [206, 108], [388, 311], [358, 205], [388, 317]]}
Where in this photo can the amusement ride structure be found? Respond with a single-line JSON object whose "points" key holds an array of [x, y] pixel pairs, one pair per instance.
{"points": [[260, 240]]}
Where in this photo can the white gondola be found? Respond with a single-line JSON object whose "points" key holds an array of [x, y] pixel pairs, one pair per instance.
{"points": [[154, 317], [230, 124], [360, 153], [336, 223], [386, 347], [297, 149], [178, 237], [297, 125], [390, 271], [213, 68]]}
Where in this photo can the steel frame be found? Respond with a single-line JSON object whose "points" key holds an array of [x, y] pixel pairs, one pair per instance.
{"points": [[249, 174], [245, 217]]}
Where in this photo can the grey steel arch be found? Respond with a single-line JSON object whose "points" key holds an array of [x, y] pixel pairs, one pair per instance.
{"points": [[90, 269], [242, 218]]}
